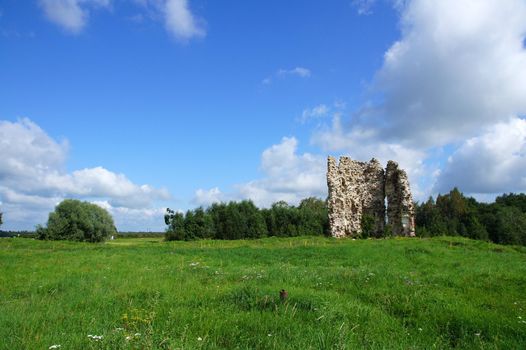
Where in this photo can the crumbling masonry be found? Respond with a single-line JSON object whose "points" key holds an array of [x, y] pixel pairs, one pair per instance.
{"points": [[359, 189]]}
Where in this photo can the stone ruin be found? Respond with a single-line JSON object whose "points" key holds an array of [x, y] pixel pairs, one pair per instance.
{"points": [[359, 189]]}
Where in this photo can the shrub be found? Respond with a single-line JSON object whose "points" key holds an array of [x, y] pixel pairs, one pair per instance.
{"points": [[78, 221], [367, 226]]}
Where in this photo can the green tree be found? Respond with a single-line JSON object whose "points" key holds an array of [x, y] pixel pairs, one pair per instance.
{"points": [[253, 221], [510, 226], [1, 219], [283, 220], [513, 200], [78, 221], [313, 217], [176, 227]]}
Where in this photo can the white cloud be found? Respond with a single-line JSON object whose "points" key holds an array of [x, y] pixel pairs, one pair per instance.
{"points": [[319, 111], [181, 22], [208, 197], [458, 69], [493, 162], [288, 176], [300, 72], [364, 144], [71, 15], [135, 219], [459, 65], [178, 19], [363, 7], [33, 176]]}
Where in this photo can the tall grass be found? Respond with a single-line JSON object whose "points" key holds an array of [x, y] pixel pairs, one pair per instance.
{"points": [[342, 294]]}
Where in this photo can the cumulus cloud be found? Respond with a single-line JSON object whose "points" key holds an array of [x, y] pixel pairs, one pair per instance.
{"points": [[493, 162], [288, 176], [207, 197], [133, 219], [71, 15], [33, 176], [458, 69], [364, 144], [459, 66]]}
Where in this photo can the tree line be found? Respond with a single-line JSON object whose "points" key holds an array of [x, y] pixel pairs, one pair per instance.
{"points": [[238, 220], [453, 214]]}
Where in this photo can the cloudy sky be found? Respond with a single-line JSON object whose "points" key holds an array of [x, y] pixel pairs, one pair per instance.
{"points": [[139, 105]]}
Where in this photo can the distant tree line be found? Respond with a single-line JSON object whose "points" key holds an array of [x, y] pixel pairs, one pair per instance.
{"points": [[453, 214], [238, 220]]}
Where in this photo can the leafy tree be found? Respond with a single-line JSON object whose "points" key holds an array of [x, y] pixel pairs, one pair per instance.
{"points": [[313, 217], [203, 221], [176, 227], [513, 200], [78, 221], [428, 219], [510, 226], [252, 220], [0, 219]]}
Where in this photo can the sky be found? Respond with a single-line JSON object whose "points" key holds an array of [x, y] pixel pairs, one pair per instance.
{"points": [[140, 105]]}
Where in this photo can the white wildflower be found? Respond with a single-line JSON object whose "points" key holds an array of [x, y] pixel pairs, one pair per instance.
{"points": [[95, 337], [270, 335], [194, 264], [137, 334], [54, 346], [128, 337], [420, 329], [477, 334], [199, 338]]}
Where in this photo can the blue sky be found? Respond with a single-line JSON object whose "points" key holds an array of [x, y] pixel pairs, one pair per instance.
{"points": [[142, 104]]}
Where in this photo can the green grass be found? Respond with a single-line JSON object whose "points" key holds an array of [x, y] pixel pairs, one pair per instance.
{"points": [[343, 294]]}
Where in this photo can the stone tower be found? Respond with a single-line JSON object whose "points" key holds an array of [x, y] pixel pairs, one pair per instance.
{"points": [[355, 189], [358, 188], [400, 207]]}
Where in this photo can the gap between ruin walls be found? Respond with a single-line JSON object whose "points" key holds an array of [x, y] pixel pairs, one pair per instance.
{"points": [[358, 192]]}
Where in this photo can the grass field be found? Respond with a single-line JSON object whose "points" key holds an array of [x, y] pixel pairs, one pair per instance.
{"points": [[343, 294]]}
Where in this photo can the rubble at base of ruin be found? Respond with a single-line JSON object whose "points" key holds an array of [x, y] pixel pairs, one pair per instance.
{"points": [[357, 190]]}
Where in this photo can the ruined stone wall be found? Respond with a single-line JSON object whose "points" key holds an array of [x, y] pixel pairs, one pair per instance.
{"points": [[355, 189], [400, 207], [360, 188]]}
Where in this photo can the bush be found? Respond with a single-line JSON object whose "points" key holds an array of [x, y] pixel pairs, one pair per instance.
{"points": [[367, 226], [78, 221]]}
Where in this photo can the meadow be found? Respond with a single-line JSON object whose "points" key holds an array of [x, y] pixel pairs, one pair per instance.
{"points": [[144, 293]]}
